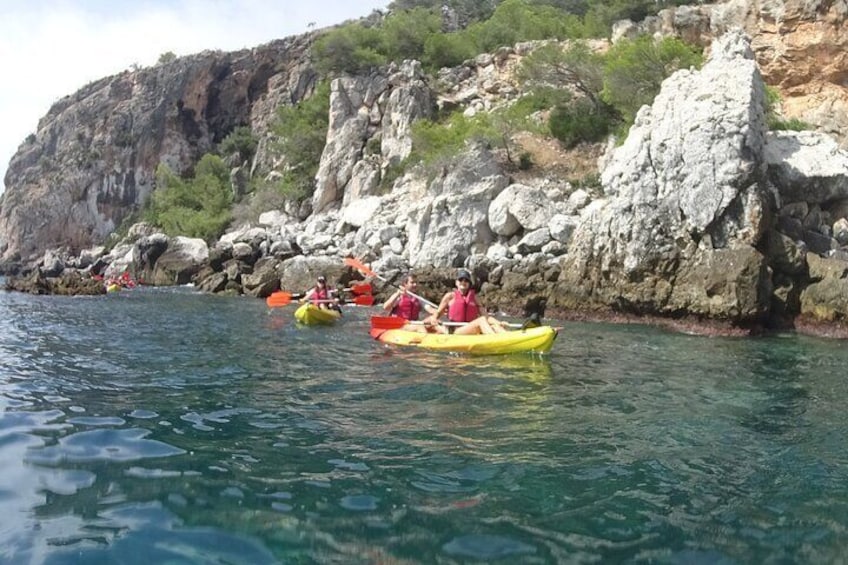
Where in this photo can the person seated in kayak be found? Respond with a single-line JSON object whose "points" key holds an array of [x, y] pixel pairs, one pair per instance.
{"points": [[404, 304], [461, 306], [321, 295]]}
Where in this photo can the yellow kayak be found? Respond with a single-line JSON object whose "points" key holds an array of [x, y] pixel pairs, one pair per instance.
{"points": [[310, 314], [531, 340]]}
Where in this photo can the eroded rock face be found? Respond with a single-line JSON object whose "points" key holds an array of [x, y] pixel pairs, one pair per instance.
{"points": [[93, 158], [801, 48], [686, 193]]}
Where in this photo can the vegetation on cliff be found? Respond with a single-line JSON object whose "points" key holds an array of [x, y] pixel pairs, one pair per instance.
{"points": [[574, 95]]}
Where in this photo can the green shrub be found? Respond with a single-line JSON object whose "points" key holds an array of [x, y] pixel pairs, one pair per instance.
{"points": [[194, 207], [581, 121], [576, 68], [792, 124], [404, 33], [302, 134], [634, 71], [520, 20], [774, 121], [412, 30], [447, 50], [435, 142], [393, 172], [351, 48], [242, 141]]}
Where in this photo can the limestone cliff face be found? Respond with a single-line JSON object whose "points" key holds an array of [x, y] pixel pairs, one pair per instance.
{"points": [[800, 46], [93, 158], [687, 201]]}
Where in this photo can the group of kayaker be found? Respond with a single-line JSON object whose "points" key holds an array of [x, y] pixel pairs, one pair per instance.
{"points": [[460, 305], [465, 314]]}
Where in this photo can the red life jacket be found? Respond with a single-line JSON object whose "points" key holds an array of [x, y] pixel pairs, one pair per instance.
{"points": [[320, 294], [463, 308], [408, 307]]}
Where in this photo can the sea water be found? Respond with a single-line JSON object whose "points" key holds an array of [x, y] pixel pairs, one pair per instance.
{"points": [[169, 426]]}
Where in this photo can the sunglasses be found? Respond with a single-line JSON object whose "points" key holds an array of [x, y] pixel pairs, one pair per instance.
{"points": [[464, 279]]}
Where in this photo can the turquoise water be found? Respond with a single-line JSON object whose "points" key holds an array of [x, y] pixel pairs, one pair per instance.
{"points": [[165, 426]]}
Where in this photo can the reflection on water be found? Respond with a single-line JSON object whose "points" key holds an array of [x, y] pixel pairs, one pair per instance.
{"points": [[168, 426]]}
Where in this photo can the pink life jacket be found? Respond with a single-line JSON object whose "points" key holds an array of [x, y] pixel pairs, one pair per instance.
{"points": [[463, 308], [408, 307], [320, 295]]}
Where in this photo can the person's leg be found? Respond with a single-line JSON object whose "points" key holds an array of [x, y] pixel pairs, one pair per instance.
{"points": [[473, 327], [496, 326]]}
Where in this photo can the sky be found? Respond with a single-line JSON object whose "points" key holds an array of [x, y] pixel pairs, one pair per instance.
{"points": [[52, 48]]}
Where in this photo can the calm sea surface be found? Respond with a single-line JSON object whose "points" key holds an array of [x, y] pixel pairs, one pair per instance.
{"points": [[165, 426]]}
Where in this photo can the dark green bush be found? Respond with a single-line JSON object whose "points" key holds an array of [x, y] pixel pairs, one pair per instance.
{"points": [[194, 207], [634, 71], [352, 48], [581, 121], [242, 141], [302, 133], [435, 142], [776, 122]]}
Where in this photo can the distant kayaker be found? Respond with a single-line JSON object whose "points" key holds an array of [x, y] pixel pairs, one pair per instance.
{"points": [[461, 306], [405, 304], [321, 295]]}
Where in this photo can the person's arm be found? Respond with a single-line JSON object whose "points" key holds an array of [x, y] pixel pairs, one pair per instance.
{"points": [[427, 308], [443, 307], [392, 301], [307, 296]]}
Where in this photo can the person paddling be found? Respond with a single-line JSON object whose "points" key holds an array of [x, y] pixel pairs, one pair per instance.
{"points": [[321, 295], [408, 306], [461, 306]]}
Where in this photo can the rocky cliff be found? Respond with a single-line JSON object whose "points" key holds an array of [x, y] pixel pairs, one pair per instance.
{"points": [[93, 158], [703, 214]]}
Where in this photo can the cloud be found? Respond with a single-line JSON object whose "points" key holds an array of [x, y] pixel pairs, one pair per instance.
{"points": [[49, 49]]}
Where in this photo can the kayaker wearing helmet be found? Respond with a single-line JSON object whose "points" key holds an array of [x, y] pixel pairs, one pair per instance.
{"points": [[321, 295], [461, 306], [404, 305]]}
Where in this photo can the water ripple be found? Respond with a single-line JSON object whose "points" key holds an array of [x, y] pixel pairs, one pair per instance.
{"points": [[265, 442]]}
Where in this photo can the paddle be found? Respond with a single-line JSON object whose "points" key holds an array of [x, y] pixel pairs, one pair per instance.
{"points": [[396, 322], [359, 266], [364, 300], [281, 297]]}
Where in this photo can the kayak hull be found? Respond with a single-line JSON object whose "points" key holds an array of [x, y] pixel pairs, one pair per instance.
{"points": [[531, 340], [312, 315]]}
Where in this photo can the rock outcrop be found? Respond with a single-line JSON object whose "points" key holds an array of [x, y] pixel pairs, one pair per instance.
{"points": [[800, 47], [687, 202], [93, 158]]}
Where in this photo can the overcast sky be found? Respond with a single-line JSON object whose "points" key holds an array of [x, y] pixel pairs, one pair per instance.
{"points": [[51, 48]]}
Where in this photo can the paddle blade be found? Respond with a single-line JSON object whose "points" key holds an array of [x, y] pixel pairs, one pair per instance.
{"points": [[359, 266], [360, 288], [387, 322], [277, 299], [364, 300]]}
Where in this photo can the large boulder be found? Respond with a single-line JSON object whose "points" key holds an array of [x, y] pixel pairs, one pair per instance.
{"points": [[686, 190]]}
